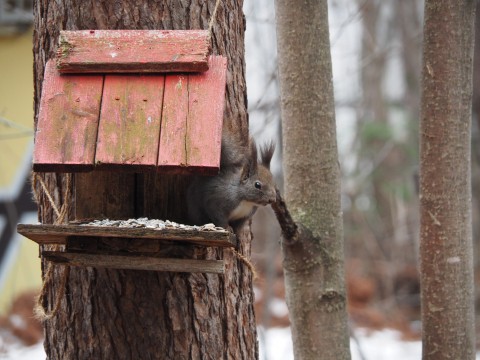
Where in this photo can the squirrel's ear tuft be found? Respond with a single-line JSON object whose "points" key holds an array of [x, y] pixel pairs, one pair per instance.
{"points": [[267, 153], [253, 158]]}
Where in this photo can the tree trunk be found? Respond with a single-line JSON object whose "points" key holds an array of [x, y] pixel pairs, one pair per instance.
{"points": [[314, 274], [476, 143], [113, 314], [445, 181]]}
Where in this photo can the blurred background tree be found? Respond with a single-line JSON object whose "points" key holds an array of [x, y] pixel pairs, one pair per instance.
{"points": [[446, 251]]}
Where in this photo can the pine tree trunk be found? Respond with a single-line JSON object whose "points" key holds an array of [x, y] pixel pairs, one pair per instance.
{"points": [[313, 265], [445, 181], [112, 314]]}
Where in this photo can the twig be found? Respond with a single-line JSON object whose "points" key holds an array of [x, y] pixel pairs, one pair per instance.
{"points": [[288, 226]]}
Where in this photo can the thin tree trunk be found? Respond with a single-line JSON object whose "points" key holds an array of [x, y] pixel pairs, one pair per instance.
{"points": [[314, 274], [476, 143], [445, 181], [110, 314]]}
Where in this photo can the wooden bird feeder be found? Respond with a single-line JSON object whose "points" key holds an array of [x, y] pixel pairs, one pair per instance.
{"points": [[130, 101]]}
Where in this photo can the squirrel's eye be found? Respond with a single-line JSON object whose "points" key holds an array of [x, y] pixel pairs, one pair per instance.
{"points": [[258, 184]]}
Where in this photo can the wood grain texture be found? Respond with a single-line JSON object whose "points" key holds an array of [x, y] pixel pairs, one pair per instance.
{"points": [[129, 127], [133, 51], [73, 134], [172, 154], [67, 125], [104, 194], [58, 234], [135, 262], [205, 116], [192, 121], [116, 246]]}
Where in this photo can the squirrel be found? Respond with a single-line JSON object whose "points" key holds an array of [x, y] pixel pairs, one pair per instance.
{"points": [[243, 183]]}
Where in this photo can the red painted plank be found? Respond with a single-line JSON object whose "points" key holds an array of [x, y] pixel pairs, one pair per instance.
{"points": [[192, 121], [172, 156], [67, 123], [133, 51], [205, 116], [129, 127]]}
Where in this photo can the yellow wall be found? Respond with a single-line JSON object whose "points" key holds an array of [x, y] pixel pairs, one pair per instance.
{"points": [[23, 273], [21, 266], [16, 101]]}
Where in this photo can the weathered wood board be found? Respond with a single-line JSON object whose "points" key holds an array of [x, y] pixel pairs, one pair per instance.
{"points": [[205, 112], [107, 245], [192, 120], [103, 51], [172, 154], [44, 234], [67, 125], [129, 126], [113, 195], [167, 123], [135, 262]]}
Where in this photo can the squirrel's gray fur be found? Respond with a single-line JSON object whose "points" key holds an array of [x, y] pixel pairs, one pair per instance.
{"points": [[231, 197]]}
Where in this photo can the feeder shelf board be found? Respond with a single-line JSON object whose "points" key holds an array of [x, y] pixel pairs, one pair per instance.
{"points": [[135, 262], [83, 243], [48, 234], [125, 122]]}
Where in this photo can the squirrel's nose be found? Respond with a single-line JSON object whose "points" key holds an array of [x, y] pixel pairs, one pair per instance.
{"points": [[272, 197]]}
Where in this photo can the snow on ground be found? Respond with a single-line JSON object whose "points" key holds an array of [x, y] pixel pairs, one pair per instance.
{"points": [[369, 345], [276, 344], [11, 348], [383, 345], [34, 352]]}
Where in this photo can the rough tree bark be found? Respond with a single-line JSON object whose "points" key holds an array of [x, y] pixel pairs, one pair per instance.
{"points": [[313, 242], [445, 181], [110, 314]]}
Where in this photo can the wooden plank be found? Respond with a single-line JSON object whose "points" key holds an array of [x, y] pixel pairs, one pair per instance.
{"points": [[192, 121], [81, 243], [121, 246], [99, 245], [205, 117], [135, 262], [133, 51], [129, 127], [159, 195], [172, 155], [67, 123], [58, 234], [113, 196]]}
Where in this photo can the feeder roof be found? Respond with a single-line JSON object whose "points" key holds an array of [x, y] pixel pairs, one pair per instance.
{"points": [[144, 121]]}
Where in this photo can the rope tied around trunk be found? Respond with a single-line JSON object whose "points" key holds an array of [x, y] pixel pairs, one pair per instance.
{"points": [[212, 19], [246, 261], [41, 313]]}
